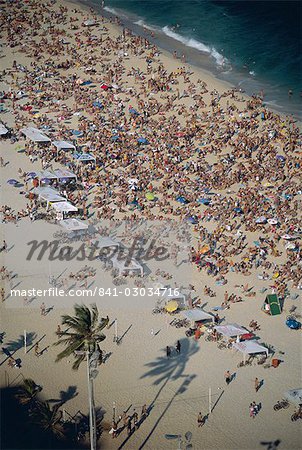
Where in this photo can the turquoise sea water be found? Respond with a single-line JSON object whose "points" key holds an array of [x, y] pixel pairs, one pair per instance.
{"points": [[253, 44]]}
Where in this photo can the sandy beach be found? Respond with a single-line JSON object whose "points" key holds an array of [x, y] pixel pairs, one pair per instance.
{"points": [[175, 157]]}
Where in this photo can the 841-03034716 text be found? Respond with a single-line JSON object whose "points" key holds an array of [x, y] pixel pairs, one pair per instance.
{"points": [[97, 292]]}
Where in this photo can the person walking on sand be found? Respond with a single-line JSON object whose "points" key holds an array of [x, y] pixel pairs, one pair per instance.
{"points": [[37, 349], [144, 412], [178, 347], [58, 332], [129, 426], [228, 377], [2, 294], [43, 309], [200, 420], [135, 420], [168, 351], [257, 384], [252, 411]]}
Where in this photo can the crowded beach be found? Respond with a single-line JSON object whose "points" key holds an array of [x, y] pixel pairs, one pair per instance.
{"points": [[108, 140]]}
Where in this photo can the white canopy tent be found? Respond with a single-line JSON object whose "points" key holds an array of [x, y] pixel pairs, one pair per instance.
{"points": [[196, 315], [73, 225], [3, 130], [64, 207], [35, 135], [249, 348], [45, 190], [84, 157], [106, 241], [50, 197], [63, 145], [170, 294], [64, 173], [230, 330], [45, 175], [132, 266]]}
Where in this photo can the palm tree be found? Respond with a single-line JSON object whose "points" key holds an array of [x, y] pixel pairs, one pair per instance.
{"points": [[27, 392], [49, 419], [83, 333]]}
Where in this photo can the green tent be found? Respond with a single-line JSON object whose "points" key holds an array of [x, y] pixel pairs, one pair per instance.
{"points": [[274, 304]]}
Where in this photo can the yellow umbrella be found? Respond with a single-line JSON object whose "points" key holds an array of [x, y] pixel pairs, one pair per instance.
{"points": [[204, 249], [150, 196], [171, 306]]}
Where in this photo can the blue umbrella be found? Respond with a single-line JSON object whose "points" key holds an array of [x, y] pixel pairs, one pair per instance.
{"points": [[238, 210], [142, 140], [12, 181], [97, 104], [31, 174], [134, 202], [182, 200], [280, 157], [204, 201], [115, 138], [77, 133], [192, 220], [133, 111]]}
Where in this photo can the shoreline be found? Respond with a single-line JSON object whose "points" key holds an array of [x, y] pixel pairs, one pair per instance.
{"points": [[201, 61], [167, 146]]}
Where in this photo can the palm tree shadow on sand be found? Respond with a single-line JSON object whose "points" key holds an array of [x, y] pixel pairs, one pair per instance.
{"points": [[163, 370]]}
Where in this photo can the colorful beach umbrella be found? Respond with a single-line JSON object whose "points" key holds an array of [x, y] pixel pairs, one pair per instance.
{"points": [[12, 181], [150, 196], [142, 140], [182, 200], [192, 220], [171, 306], [204, 201]]}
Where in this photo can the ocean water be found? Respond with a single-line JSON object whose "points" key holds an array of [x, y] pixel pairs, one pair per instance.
{"points": [[256, 45]]}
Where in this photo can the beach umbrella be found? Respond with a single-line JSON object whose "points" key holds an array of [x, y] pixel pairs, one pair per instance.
{"points": [[280, 157], [12, 181], [272, 221], [204, 201], [261, 219], [205, 249], [238, 210], [104, 87], [45, 180], [150, 196], [290, 246], [134, 202], [142, 140], [288, 237], [77, 133], [267, 184], [31, 175], [97, 104], [192, 220], [171, 306], [115, 138], [181, 200], [133, 111]]}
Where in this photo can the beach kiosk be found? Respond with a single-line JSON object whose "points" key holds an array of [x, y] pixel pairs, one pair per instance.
{"points": [[63, 145], [35, 135], [272, 305], [123, 266], [249, 348]]}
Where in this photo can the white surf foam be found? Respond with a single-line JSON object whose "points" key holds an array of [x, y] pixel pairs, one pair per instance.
{"points": [[111, 10], [143, 24], [193, 43]]}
